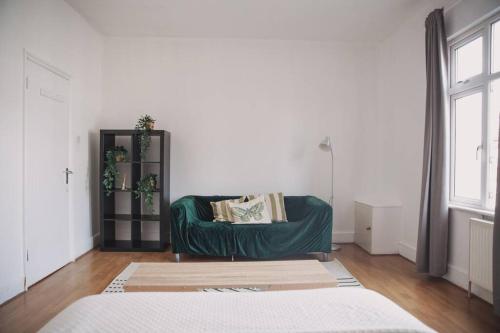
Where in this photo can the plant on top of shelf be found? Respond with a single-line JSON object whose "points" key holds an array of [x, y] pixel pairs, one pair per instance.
{"points": [[113, 155], [146, 187], [145, 125]]}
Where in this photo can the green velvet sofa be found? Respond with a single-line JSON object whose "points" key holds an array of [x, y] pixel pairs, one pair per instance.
{"points": [[309, 229]]}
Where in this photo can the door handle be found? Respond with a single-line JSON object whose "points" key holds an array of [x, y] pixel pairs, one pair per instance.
{"points": [[368, 228], [67, 172]]}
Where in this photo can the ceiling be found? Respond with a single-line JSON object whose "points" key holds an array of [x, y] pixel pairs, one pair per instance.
{"points": [[334, 20]]}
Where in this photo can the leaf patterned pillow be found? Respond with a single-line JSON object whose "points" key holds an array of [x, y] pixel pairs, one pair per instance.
{"points": [[253, 211]]}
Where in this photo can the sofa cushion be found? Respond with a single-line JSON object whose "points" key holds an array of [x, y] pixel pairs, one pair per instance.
{"points": [[253, 211], [221, 210], [275, 204]]}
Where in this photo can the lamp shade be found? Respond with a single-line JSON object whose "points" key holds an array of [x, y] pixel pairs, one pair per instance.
{"points": [[326, 144]]}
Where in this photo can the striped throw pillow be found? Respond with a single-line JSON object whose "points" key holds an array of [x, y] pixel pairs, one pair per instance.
{"points": [[222, 213], [275, 203]]}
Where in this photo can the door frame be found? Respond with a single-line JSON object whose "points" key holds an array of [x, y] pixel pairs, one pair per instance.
{"points": [[29, 56]]}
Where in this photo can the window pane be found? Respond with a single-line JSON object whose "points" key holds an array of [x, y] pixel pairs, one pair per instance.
{"points": [[468, 133], [493, 122], [495, 53], [469, 60]]}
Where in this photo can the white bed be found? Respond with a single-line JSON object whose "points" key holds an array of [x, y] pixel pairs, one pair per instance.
{"points": [[318, 310]]}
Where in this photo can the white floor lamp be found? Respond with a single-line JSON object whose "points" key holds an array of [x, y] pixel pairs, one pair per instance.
{"points": [[326, 145]]}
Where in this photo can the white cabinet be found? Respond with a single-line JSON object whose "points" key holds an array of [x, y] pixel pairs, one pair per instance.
{"points": [[377, 226]]}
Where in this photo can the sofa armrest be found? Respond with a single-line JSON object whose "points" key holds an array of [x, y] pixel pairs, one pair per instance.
{"points": [[183, 213], [302, 207]]}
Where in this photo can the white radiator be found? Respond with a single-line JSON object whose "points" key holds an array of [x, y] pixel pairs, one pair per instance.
{"points": [[481, 254]]}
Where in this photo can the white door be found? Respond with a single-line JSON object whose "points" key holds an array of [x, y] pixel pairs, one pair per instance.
{"points": [[46, 159]]}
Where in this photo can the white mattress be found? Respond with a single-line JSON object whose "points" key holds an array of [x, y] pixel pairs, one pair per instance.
{"points": [[317, 310]]}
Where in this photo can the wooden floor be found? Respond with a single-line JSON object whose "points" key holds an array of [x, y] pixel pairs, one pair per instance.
{"points": [[436, 302]]}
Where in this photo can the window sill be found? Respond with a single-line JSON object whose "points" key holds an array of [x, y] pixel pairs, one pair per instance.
{"points": [[478, 211]]}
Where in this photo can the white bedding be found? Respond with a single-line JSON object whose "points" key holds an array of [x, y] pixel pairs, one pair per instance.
{"points": [[352, 310]]}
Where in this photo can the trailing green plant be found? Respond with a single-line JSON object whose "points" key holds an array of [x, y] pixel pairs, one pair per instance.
{"points": [[146, 187], [145, 125], [113, 155]]}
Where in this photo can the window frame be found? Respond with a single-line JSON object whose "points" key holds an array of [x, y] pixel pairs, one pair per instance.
{"points": [[478, 83]]}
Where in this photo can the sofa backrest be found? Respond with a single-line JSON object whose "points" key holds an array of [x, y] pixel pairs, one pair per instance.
{"points": [[203, 207], [295, 206]]}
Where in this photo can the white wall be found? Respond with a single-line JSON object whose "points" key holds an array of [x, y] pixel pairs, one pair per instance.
{"points": [[465, 12], [246, 116], [51, 30], [400, 124], [458, 18]]}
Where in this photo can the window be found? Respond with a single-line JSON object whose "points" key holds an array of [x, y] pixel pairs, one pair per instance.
{"points": [[474, 93], [469, 59], [468, 138], [495, 41]]}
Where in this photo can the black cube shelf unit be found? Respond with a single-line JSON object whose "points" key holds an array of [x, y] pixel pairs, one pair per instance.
{"points": [[136, 215]]}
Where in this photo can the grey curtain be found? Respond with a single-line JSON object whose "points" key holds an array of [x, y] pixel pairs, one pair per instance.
{"points": [[496, 244], [432, 246]]}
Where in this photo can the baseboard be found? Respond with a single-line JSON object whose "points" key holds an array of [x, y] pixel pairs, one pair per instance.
{"points": [[407, 251], [343, 236], [96, 240], [86, 246], [460, 277], [10, 289], [457, 276]]}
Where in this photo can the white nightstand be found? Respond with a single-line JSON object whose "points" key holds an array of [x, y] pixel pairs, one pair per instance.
{"points": [[377, 226]]}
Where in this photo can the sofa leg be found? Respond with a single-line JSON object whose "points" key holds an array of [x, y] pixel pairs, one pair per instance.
{"points": [[177, 257], [325, 256]]}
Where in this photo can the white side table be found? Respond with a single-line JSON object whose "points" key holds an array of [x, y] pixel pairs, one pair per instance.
{"points": [[377, 226]]}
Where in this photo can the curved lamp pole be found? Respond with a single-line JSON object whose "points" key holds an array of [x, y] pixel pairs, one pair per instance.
{"points": [[326, 145]]}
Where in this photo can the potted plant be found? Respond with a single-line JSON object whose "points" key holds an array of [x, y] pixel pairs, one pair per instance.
{"points": [[145, 125], [146, 187], [120, 153], [113, 155]]}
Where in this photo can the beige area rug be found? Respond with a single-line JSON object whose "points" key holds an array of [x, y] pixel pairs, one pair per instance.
{"points": [[335, 267]]}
